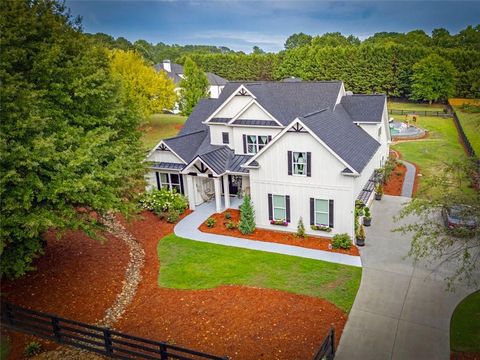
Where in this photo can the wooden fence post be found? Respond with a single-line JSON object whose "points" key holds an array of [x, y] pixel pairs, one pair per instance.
{"points": [[163, 352], [107, 337], [56, 329]]}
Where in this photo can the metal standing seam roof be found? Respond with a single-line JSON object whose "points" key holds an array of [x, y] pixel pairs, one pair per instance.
{"points": [[255, 122], [168, 166]]}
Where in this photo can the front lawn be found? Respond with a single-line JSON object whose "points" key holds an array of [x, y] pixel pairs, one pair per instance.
{"points": [[187, 264], [471, 126], [465, 325], [161, 126], [432, 154]]}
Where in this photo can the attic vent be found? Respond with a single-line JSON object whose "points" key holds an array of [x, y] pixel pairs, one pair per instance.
{"points": [[348, 93]]}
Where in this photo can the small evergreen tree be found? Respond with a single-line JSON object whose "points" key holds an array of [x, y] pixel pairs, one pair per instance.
{"points": [[300, 228], [247, 216], [194, 86]]}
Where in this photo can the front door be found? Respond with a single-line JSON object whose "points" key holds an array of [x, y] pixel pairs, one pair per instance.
{"points": [[234, 184]]}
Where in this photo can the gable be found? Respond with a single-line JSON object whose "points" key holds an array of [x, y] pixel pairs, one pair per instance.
{"points": [[233, 107], [254, 112], [163, 153]]}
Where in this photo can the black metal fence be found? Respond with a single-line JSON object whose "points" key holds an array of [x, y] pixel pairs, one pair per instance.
{"points": [[420, 112], [327, 349], [92, 338]]}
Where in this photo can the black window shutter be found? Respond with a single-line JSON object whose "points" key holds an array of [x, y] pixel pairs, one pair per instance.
{"points": [[330, 213], [269, 138], [309, 164], [312, 211], [225, 137], [182, 190], [287, 205], [289, 163], [158, 180], [270, 207], [244, 144]]}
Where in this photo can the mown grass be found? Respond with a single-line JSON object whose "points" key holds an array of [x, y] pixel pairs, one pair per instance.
{"points": [[471, 126], [161, 126], [187, 264], [414, 106], [465, 325], [434, 153]]}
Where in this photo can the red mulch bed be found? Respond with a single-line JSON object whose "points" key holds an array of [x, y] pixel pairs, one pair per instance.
{"points": [[395, 183], [280, 237], [241, 322], [77, 278]]}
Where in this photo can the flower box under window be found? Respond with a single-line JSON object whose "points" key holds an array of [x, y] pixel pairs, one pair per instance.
{"points": [[321, 228], [279, 222]]}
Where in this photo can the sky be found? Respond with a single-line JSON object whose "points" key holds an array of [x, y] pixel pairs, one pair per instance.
{"points": [[240, 25]]}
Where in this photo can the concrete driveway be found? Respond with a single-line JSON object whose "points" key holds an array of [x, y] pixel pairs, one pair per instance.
{"points": [[402, 310]]}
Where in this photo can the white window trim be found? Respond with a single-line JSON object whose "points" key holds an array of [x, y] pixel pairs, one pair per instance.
{"points": [[294, 162], [169, 182], [279, 207], [321, 212], [256, 144]]}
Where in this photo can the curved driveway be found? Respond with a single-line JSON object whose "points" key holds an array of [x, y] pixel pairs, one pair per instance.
{"points": [[402, 310]]}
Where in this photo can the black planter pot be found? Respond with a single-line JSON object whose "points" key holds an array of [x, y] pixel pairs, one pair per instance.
{"points": [[360, 242], [367, 221], [378, 196]]}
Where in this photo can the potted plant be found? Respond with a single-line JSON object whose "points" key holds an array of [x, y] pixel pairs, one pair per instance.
{"points": [[378, 191], [367, 218], [360, 236]]}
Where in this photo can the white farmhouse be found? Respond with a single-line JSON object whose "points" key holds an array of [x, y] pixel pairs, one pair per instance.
{"points": [[175, 72], [300, 149]]}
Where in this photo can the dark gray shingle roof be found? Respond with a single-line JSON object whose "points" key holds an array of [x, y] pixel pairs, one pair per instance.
{"points": [[200, 113], [364, 108], [176, 70], [348, 140], [186, 146]]}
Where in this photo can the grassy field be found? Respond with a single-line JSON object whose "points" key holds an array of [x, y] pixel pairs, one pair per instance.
{"points": [[161, 126], [471, 125], [433, 153], [187, 264], [465, 325], [413, 106]]}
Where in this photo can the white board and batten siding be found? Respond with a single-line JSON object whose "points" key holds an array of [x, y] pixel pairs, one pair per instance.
{"points": [[326, 182]]}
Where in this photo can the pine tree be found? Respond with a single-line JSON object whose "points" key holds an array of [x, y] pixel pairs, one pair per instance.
{"points": [[300, 228], [194, 86], [247, 216]]}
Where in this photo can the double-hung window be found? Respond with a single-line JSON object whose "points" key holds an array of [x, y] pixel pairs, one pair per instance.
{"points": [[299, 163], [279, 207], [255, 143], [169, 181], [322, 215]]}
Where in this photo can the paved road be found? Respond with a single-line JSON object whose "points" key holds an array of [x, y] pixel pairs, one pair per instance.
{"points": [[188, 228], [401, 311]]}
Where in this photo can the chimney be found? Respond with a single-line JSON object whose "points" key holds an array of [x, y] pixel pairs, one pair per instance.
{"points": [[167, 66]]}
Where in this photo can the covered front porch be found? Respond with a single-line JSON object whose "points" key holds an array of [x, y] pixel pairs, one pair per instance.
{"points": [[205, 185]]}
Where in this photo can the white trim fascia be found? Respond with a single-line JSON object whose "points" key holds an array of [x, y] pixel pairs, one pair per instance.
{"points": [[235, 173], [284, 131], [341, 94], [169, 148], [246, 107], [183, 172], [375, 122], [234, 93], [352, 175]]}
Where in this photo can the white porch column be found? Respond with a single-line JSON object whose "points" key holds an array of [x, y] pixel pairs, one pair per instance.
{"points": [[226, 191], [218, 194], [191, 192]]}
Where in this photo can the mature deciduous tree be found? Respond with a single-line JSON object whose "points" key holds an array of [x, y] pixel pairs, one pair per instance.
{"points": [[297, 40], [194, 86], [152, 91], [432, 240], [69, 140], [433, 79]]}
